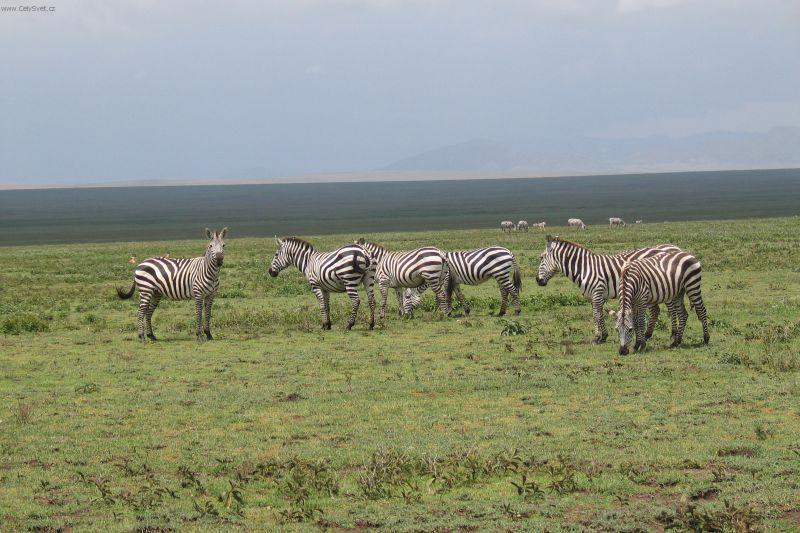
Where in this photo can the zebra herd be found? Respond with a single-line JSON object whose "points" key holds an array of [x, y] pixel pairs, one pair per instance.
{"points": [[522, 225], [642, 279]]}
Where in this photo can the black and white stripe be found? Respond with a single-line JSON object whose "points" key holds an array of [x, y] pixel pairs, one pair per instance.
{"points": [[179, 279], [473, 267], [662, 278], [409, 269], [341, 270], [597, 275]]}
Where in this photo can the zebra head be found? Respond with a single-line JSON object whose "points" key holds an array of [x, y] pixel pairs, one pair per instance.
{"points": [[282, 258], [215, 251], [411, 300], [549, 264], [625, 329]]}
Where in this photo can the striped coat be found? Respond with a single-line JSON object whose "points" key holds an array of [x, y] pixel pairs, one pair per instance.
{"points": [[473, 267], [662, 278], [179, 279], [341, 270], [597, 275], [408, 269]]}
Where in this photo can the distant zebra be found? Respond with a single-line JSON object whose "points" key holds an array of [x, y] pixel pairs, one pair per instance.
{"points": [[616, 222], [539, 225], [638, 221], [410, 269], [179, 279], [473, 267], [522, 225], [507, 225], [576, 223], [663, 278], [597, 275], [341, 270]]}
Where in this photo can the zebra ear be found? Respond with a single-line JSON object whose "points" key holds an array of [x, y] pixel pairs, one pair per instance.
{"points": [[278, 241], [223, 232], [209, 234]]}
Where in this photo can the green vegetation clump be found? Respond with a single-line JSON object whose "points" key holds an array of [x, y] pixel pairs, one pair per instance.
{"points": [[430, 423]]}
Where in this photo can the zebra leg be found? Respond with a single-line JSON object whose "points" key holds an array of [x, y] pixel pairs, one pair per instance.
{"points": [[639, 328], [367, 280], [654, 310], [503, 301], [383, 286], [462, 300], [682, 315], [324, 305], [696, 300], [149, 316], [352, 293], [672, 309], [198, 304], [398, 291], [441, 296], [209, 300], [141, 314], [600, 331]]}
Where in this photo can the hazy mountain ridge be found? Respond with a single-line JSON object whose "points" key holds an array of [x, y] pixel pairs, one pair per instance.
{"points": [[779, 147]]}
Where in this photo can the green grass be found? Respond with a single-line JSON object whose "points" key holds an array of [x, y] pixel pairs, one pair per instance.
{"points": [[428, 423]]}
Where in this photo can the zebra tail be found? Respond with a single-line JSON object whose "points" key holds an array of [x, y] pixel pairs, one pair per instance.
{"points": [[517, 277], [125, 295]]}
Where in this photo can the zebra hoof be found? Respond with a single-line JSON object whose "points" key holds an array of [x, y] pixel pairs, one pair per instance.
{"points": [[151, 337], [598, 340], [142, 339], [706, 338], [208, 336], [517, 313], [371, 325], [349, 327]]}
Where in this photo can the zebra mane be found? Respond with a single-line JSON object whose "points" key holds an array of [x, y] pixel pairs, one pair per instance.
{"points": [[570, 243], [302, 242], [362, 241]]}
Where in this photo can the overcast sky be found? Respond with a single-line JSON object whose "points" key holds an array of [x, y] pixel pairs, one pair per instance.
{"points": [[101, 90]]}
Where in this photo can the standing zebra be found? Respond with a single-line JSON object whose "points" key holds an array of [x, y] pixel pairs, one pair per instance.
{"points": [[338, 271], [576, 223], [179, 279], [522, 225], [597, 275], [409, 269], [539, 225], [662, 278], [507, 225], [616, 222], [473, 267]]}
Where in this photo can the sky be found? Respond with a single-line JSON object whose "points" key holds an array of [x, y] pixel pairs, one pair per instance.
{"points": [[95, 91]]}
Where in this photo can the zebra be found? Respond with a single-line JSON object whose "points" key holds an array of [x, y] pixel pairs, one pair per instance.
{"points": [[179, 279], [522, 225], [597, 275], [638, 221], [341, 270], [649, 281], [616, 221], [409, 269], [473, 267], [507, 225], [539, 225], [576, 223]]}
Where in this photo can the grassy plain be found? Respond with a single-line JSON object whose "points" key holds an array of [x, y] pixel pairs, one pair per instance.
{"points": [[428, 424]]}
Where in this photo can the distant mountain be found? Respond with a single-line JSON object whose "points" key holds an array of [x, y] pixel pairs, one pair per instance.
{"points": [[250, 173], [477, 154], [777, 148]]}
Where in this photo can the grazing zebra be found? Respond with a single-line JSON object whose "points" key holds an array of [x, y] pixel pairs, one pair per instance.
{"points": [[507, 225], [638, 221], [597, 275], [576, 223], [662, 278], [473, 267], [539, 225], [616, 222], [399, 270], [522, 225], [341, 270], [179, 279]]}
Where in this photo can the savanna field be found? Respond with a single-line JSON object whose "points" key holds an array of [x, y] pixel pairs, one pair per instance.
{"points": [[430, 423]]}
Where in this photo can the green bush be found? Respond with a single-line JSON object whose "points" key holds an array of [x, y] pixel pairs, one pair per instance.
{"points": [[18, 323]]}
